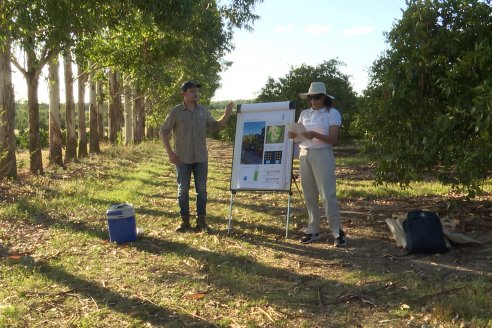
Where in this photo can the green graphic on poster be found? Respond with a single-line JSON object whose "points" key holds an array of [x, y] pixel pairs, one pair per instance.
{"points": [[275, 134]]}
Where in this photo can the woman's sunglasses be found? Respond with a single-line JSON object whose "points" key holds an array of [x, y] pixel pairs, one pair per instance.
{"points": [[315, 97]]}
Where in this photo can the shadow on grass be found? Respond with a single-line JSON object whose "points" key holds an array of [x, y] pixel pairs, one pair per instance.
{"points": [[384, 253], [238, 274], [235, 274], [220, 265], [134, 307], [241, 274], [3, 251], [95, 228]]}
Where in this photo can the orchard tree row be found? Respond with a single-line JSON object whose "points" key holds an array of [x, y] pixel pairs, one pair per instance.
{"points": [[137, 50], [427, 110]]}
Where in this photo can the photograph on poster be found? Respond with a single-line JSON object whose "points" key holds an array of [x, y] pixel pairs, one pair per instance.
{"points": [[253, 142], [275, 134]]}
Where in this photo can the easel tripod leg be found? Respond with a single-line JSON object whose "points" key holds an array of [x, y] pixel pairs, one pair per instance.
{"points": [[230, 213], [288, 217]]}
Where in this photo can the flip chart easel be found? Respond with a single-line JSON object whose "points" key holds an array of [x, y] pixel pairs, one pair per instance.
{"points": [[262, 154]]}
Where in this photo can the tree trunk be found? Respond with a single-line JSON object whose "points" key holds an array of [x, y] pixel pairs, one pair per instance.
{"points": [[55, 157], [100, 109], [71, 145], [136, 95], [148, 130], [32, 79], [128, 115], [120, 119], [82, 79], [93, 116], [139, 116], [115, 112], [8, 164], [150, 133], [113, 130]]}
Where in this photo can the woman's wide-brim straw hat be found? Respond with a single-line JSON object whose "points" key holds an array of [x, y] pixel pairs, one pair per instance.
{"points": [[316, 88]]}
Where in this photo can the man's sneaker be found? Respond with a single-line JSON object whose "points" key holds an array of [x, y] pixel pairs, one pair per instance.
{"points": [[341, 240], [310, 238]]}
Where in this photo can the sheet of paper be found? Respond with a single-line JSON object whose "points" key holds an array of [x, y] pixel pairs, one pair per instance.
{"points": [[297, 128]]}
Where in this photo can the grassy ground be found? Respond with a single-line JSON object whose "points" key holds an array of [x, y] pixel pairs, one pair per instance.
{"points": [[58, 268]]}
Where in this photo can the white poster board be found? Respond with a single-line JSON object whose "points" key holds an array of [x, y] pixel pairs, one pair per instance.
{"points": [[262, 152]]}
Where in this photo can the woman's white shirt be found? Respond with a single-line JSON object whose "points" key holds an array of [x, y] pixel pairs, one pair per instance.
{"points": [[319, 121]]}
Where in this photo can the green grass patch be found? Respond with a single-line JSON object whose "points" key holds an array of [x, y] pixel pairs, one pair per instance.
{"points": [[58, 268], [368, 189]]}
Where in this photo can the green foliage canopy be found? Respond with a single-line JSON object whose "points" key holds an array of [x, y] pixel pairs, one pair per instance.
{"points": [[164, 43], [428, 107], [298, 81]]}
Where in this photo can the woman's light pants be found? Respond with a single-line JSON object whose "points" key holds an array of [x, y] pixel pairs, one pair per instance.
{"points": [[317, 168]]}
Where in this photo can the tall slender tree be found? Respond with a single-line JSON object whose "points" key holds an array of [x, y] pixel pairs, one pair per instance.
{"points": [[71, 138], [160, 45], [100, 96], [115, 108], [138, 116], [202, 28], [128, 114], [39, 29], [82, 80], [8, 165], [93, 115], [55, 134]]}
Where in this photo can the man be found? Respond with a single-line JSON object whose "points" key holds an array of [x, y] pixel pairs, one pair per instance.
{"points": [[188, 124]]}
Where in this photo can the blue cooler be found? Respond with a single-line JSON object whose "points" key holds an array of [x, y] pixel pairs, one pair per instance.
{"points": [[121, 223]]}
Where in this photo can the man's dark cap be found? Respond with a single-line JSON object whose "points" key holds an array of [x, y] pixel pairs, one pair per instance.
{"points": [[189, 84]]}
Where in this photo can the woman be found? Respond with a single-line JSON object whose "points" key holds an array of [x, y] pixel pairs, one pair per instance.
{"points": [[317, 162]]}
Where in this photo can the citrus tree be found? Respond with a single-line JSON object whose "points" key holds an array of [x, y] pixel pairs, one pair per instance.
{"points": [[298, 80], [428, 108]]}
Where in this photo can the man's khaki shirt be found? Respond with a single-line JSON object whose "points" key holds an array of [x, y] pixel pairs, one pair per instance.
{"points": [[189, 132]]}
